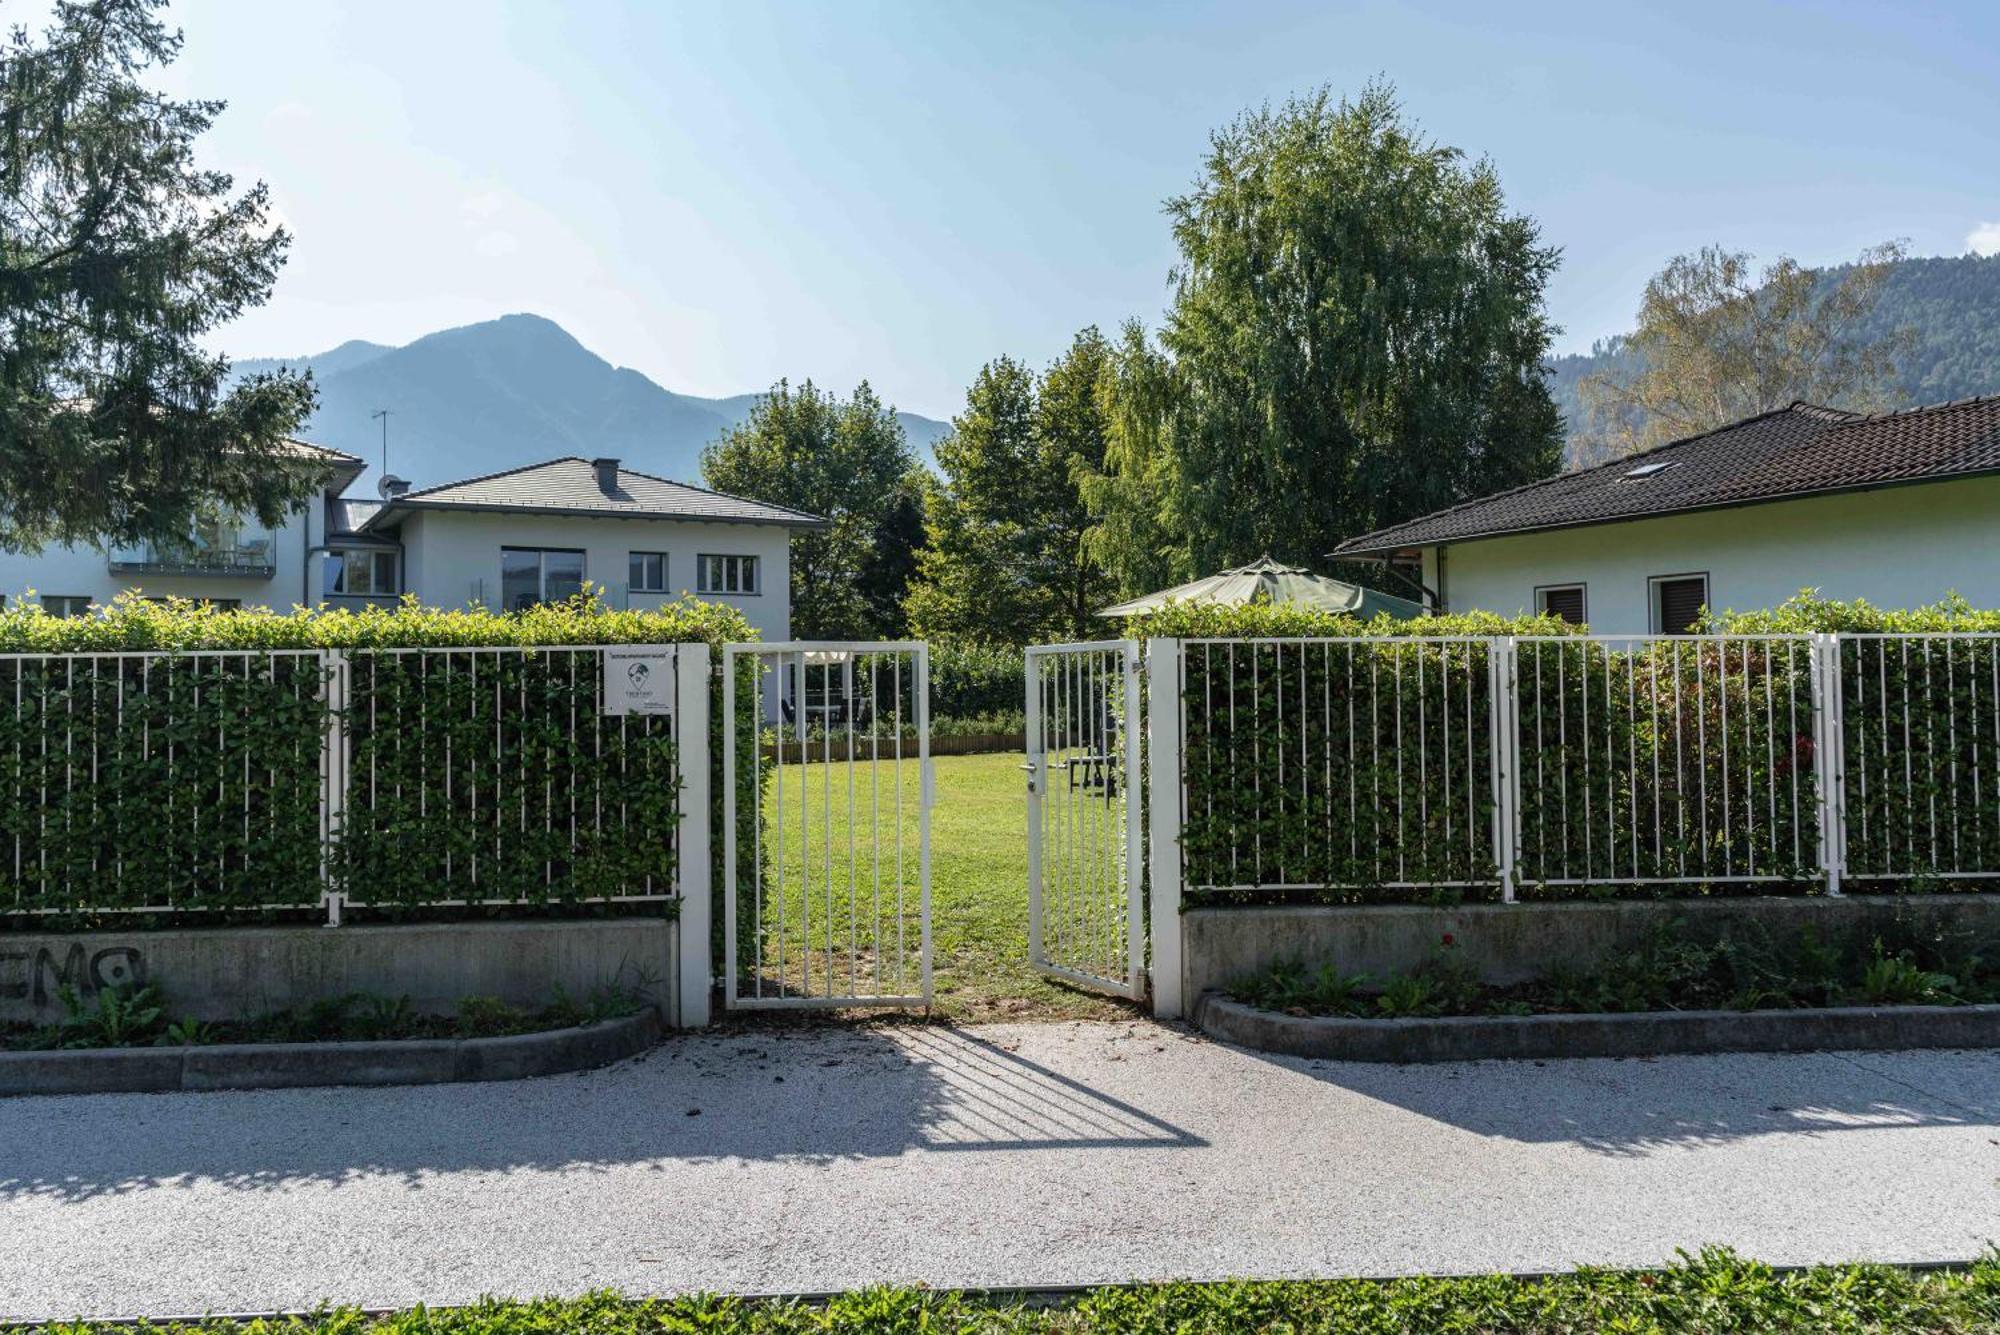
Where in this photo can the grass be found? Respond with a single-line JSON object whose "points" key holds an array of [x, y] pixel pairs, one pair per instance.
{"points": [[979, 890], [1670, 968], [1713, 1292], [125, 1017]]}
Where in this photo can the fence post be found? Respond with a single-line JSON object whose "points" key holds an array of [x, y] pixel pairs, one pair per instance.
{"points": [[1829, 777], [1163, 794], [332, 775], [692, 868], [1502, 685]]}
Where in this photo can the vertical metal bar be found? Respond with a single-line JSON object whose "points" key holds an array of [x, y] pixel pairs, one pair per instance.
{"points": [[1037, 755], [853, 889], [1134, 843], [692, 867], [1165, 799], [929, 799], [729, 850]]}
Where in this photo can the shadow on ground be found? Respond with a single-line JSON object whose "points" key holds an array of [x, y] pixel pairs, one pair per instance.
{"points": [[1635, 1106], [815, 1095]]}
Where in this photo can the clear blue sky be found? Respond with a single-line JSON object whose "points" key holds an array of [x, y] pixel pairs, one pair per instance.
{"points": [[719, 194]]}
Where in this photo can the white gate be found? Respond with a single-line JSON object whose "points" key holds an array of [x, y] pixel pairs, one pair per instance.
{"points": [[1086, 920], [827, 795]]}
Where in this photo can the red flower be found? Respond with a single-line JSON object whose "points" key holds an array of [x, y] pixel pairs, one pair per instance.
{"points": [[1447, 938]]}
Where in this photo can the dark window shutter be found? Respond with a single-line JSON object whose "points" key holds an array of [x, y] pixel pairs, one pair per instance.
{"points": [[1564, 603], [1681, 602]]}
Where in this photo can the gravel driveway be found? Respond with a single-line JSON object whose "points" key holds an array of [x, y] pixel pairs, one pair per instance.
{"points": [[1049, 1154]]}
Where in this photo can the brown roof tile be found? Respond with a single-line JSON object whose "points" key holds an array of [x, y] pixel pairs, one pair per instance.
{"points": [[1801, 450]]}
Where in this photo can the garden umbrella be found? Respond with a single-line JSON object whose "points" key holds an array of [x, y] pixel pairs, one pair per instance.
{"points": [[1293, 585]]}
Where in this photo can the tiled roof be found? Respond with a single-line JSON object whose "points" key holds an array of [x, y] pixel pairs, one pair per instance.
{"points": [[309, 450], [1801, 450], [569, 486]]}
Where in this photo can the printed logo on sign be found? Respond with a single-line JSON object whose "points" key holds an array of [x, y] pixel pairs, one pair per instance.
{"points": [[638, 679]]}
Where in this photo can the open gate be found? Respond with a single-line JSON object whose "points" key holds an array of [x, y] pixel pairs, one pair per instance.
{"points": [[1086, 916], [827, 795]]}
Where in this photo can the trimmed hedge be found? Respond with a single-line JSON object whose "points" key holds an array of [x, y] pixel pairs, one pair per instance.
{"points": [[976, 681], [191, 781]]}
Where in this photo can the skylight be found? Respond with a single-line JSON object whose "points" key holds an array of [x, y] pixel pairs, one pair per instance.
{"points": [[1647, 470]]}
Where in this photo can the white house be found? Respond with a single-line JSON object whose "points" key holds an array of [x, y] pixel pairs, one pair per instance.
{"points": [[502, 541], [1898, 508]]}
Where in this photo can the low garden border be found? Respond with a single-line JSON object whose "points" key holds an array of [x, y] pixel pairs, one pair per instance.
{"points": [[1643, 1034], [295, 1065]]}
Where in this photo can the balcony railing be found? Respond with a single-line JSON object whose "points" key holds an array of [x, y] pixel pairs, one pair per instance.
{"points": [[248, 558]]}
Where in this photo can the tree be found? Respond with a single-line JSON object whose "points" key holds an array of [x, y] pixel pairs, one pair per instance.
{"points": [[1718, 342], [891, 564], [843, 460], [1007, 561], [117, 254], [1355, 337]]}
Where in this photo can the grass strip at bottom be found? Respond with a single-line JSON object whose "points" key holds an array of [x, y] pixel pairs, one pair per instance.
{"points": [[1714, 1290]]}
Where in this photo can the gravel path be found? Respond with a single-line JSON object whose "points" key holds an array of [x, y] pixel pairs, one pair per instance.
{"points": [[1010, 1154]]}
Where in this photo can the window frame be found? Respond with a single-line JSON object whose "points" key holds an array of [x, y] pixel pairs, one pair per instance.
{"points": [[632, 586], [756, 569], [80, 601], [1653, 584], [1582, 588], [374, 554], [541, 555]]}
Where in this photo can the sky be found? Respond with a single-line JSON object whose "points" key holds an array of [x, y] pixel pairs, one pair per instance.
{"points": [[720, 194]]}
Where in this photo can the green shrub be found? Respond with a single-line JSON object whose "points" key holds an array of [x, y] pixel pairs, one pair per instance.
{"points": [[192, 780], [971, 681]]}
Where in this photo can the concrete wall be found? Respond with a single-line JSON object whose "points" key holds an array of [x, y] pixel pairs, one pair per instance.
{"points": [[1512, 943], [87, 571], [453, 559], [1896, 547], [231, 973]]}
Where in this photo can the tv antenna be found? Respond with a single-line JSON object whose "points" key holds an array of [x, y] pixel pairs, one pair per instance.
{"points": [[383, 413]]}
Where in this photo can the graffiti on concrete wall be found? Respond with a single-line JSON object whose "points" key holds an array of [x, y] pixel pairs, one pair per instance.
{"points": [[38, 976]]}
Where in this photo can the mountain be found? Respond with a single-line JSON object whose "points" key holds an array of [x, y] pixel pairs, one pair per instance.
{"points": [[1953, 303], [508, 392]]}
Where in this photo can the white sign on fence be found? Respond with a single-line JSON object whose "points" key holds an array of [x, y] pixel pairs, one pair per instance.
{"points": [[638, 679]]}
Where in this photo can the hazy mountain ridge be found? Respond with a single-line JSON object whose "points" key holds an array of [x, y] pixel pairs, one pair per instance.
{"points": [[513, 391], [1953, 303]]}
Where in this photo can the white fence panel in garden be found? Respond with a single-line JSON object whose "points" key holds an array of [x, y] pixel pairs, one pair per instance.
{"points": [[1086, 889], [827, 795]]}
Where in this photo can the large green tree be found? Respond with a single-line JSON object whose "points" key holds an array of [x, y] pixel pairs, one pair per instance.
{"points": [[1007, 561], [1356, 336], [118, 254], [1719, 341], [844, 460]]}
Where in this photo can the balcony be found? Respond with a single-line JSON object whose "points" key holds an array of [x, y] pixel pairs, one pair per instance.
{"points": [[229, 553]]}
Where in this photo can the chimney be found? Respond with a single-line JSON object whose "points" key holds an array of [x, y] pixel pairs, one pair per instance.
{"points": [[389, 486], [607, 475]]}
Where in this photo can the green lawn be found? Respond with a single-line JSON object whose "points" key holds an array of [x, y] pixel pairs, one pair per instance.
{"points": [[979, 889]]}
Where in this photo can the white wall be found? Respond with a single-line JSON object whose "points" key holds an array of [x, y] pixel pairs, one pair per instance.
{"points": [[452, 559], [87, 571], [1896, 547]]}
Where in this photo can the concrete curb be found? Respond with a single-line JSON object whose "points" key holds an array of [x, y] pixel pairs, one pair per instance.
{"points": [[1477, 1037], [426, 1061]]}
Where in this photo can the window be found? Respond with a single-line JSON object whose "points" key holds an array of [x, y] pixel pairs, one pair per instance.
{"points": [[727, 574], [1677, 601], [649, 573], [1561, 600], [531, 575], [360, 572], [66, 604]]}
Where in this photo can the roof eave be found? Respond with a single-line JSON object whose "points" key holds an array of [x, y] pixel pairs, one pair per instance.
{"points": [[1374, 549], [404, 506]]}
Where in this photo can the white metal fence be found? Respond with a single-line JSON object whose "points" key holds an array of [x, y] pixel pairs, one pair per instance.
{"points": [[1086, 919], [193, 782], [1395, 766], [827, 795]]}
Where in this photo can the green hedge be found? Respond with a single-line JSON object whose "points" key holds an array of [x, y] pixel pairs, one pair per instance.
{"points": [[976, 681], [191, 781]]}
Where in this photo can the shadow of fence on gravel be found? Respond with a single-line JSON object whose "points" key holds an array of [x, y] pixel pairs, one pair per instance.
{"points": [[809, 1096], [1631, 1107]]}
